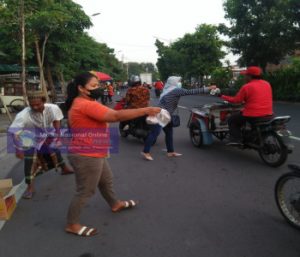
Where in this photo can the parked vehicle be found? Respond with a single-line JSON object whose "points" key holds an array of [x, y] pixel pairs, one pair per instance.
{"points": [[270, 138], [287, 195], [146, 77]]}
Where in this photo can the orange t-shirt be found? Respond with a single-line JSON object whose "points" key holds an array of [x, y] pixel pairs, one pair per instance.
{"points": [[89, 135]]}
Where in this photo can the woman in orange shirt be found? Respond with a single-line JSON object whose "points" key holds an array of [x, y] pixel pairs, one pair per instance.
{"points": [[88, 149]]}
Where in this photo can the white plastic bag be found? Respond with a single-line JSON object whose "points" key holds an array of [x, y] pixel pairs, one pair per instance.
{"points": [[215, 91], [162, 118]]}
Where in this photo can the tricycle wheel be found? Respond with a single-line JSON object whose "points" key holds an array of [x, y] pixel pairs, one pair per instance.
{"points": [[195, 134]]}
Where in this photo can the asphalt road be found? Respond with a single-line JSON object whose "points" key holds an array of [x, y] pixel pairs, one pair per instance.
{"points": [[215, 201]]}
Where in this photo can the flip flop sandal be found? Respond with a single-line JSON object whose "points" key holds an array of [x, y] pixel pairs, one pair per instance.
{"points": [[84, 232], [28, 195], [127, 205]]}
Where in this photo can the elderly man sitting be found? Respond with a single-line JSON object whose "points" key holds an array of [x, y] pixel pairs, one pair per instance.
{"points": [[36, 136]]}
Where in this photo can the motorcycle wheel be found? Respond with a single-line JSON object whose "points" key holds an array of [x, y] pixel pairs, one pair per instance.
{"points": [[122, 132], [17, 105], [287, 196], [273, 153], [196, 135]]}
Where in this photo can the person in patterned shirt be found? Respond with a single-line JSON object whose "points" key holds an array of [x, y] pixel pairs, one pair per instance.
{"points": [[137, 95]]}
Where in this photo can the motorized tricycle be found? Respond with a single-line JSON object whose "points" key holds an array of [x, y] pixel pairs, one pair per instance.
{"points": [[270, 138]]}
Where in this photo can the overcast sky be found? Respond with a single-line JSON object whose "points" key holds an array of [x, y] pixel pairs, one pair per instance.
{"points": [[132, 26]]}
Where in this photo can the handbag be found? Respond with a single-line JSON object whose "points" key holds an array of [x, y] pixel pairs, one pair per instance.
{"points": [[175, 119]]}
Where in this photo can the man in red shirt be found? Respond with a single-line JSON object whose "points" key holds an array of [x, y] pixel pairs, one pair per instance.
{"points": [[256, 95], [158, 86]]}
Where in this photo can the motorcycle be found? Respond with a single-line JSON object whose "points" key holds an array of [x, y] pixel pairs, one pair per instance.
{"points": [[287, 195], [137, 127], [270, 138]]}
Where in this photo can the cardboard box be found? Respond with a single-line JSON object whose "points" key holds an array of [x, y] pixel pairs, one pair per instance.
{"points": [[7, 199]]}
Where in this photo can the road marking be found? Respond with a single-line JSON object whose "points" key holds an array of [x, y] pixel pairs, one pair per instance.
{"points": [[19, 192], [182, 107], [295, 138]]}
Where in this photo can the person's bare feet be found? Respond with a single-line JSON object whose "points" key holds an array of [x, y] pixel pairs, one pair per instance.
{"points": [[66, 170]]}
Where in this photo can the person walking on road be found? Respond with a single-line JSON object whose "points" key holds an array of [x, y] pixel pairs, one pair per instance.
{"points": [[169, 100], [110, 90], [158, 87], [88, 151]]}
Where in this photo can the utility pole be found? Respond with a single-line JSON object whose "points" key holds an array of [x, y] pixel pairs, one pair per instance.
{"points": [[23, 74], [122, 61]]}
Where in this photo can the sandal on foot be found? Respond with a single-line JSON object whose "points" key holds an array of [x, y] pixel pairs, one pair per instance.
{"points": [[127, 205], [148, 157], [84, 231], [174, 154], [28, 195]]}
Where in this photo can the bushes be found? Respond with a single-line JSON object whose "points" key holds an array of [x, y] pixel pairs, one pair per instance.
{"points": [[286, 82]]}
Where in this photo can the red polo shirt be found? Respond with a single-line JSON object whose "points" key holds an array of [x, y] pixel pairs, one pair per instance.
{"points": [[257, 97]]}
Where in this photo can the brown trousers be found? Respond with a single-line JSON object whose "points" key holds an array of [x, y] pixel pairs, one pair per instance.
{"points": [[90, 173]]}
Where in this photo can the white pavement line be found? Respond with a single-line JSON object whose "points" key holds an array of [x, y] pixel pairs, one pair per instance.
{"points": [[295, 138], [19, 192], [182, 107]]}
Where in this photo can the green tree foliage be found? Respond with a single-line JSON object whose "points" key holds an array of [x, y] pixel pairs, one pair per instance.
{"points": [[195, 55], [286, 82], [262, 31], [58, 27], [221, 77]]}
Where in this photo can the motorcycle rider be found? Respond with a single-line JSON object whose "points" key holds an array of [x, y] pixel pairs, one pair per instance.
{"points": [[256, 95], [110, 90], [158, 86], [104, 95], [137, 96]]}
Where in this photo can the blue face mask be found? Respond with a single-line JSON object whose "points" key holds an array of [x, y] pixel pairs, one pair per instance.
{"points": [[179, 85]]}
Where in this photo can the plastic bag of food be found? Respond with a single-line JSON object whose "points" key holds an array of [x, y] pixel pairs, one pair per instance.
{"points": [[162, 118]]}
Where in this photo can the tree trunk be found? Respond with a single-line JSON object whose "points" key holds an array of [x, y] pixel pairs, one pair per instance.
{"points": [[50, 82], [40, 64], [23, 59], [63, 83]]}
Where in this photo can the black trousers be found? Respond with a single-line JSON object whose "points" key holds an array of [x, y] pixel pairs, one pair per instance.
{"points": [[236, 121]]}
